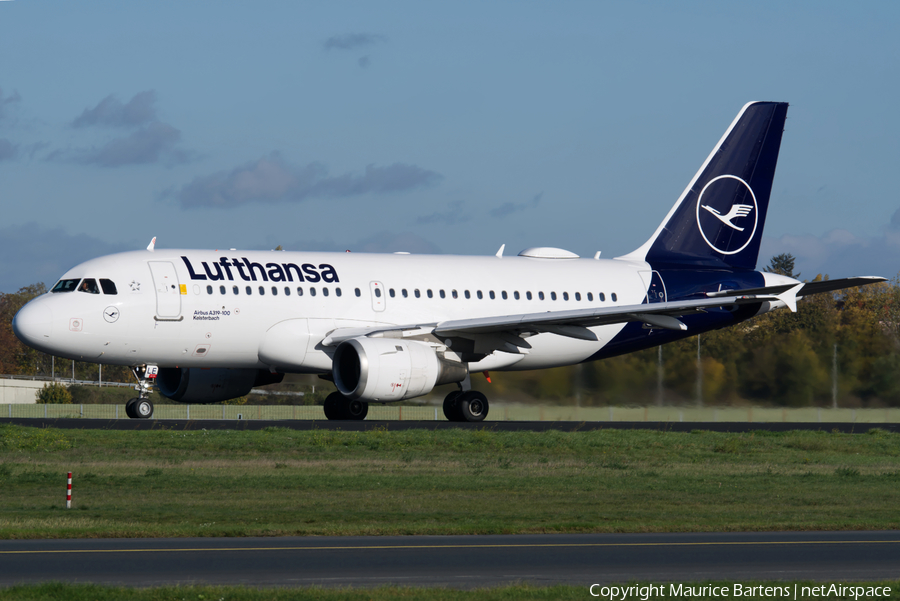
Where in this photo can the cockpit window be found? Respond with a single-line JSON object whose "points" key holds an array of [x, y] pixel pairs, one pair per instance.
{"points": [[65, 286], [90, 286], [109, 287]]}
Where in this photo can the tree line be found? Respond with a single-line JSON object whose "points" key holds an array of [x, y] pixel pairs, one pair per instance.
{"points": [[843, 346]]}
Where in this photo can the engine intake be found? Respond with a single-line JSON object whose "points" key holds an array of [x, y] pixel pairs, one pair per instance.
{"points": [[198, 385], [387, 369]]}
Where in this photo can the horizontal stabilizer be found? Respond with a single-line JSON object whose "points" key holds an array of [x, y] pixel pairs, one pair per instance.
{"points": [[807, 288]]}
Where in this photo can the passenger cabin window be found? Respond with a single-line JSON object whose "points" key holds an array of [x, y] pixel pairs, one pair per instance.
{"points": [[391, 292], [577, 296], [337, 291], [403, 292], [378, 293], [602, 297], [287, 291], [90, 286], [430, 293], [300, 291], [249, 290], [443, 294], [613, 297], [358, 293], [221, 289], [454, 293], [274, 290], [528, 295], [262, 291], [209, 289], [516, 295], [552, 296], [468, 295], [504, 295], [65, 286], [590, 296], [541, 295], [109, 287], [417, 293], [235, 290], [491, 294], [479, 295], [324, 291], [312, 291]]}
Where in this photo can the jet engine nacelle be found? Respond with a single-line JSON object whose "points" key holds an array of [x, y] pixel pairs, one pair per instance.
{"points": [[197, 385], [388, 369]]}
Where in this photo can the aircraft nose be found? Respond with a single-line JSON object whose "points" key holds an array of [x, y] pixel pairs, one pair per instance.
{"points": [[33, 322]]}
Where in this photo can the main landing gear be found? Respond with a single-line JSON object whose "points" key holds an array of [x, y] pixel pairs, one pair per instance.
{"points": [[465, 406], [142, 406], [459, 406], [337, 406]]}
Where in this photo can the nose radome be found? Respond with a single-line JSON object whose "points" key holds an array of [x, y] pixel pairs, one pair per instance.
{"points": [[33, 322]]}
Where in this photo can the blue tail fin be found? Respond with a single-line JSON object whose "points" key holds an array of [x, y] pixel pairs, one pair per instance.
{"points": [[718, 220]]}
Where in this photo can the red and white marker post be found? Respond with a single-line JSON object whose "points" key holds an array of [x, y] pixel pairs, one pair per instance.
{"points": [[69, 492]]}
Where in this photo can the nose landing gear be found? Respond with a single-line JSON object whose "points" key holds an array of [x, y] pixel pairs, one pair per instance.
{"points": [[142, 407]]}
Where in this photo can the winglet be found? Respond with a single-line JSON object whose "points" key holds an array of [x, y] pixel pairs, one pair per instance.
{"points": [[500, 252], [152, 244], [789, 297]]}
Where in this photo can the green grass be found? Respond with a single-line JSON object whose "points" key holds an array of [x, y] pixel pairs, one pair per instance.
{"points": [[89, 592], [323, 482]]}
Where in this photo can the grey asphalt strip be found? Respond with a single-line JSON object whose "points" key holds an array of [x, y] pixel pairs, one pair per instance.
{"points": [[361, 426], [457, 561]]}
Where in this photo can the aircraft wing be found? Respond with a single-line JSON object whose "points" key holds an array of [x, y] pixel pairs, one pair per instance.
{"points": [[505, 332], [508, 332]]}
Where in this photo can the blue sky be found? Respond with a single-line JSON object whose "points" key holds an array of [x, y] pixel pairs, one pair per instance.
{"points": [[426, 127]]}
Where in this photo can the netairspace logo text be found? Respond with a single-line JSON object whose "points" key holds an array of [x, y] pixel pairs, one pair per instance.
{"points": [[795, 592]]}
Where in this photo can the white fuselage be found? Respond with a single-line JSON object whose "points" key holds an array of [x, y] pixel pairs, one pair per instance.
{"points": [[166, 315]]}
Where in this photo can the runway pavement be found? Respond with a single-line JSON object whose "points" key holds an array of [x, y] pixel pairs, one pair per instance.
{"points": [[504, 426], [457, 561]]}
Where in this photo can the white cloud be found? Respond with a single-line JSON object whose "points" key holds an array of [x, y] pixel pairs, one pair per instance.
{"points": [[111, 112], [271, 179], [352, 41], [43, 255], [838, 253]]}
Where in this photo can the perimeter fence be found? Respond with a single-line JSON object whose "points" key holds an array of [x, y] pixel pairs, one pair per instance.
{"points": [[498, 412]]}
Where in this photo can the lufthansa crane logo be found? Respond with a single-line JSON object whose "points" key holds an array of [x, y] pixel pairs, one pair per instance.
{"points": [[727, 220]]}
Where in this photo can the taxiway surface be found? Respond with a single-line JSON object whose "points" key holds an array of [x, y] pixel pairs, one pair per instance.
{"points": [[457, 561], [504, 426]]}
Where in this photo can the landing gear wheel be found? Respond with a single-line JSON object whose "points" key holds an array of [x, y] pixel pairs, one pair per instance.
{"points": [[451, 406], [129, 408], [337, 406], [143, 409], [354, 409], [473, 406], [332, 406]]}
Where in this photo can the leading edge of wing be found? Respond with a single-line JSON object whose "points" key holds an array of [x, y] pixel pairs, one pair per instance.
{"points": [[558, 321], [572, 323]]}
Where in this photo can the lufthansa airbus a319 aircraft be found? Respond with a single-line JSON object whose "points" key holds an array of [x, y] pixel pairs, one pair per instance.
{"points": [[208, 326]]}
